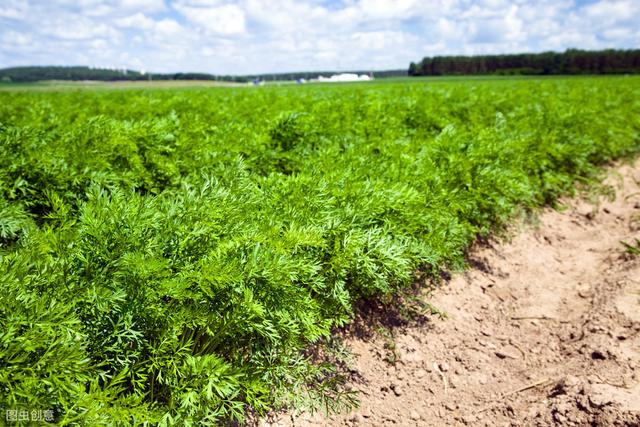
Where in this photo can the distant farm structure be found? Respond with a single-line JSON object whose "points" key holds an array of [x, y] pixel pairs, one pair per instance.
{"points": [[345, 77]]}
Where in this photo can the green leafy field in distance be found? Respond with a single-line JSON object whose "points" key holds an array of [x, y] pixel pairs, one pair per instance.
{"points": [[167, 255]]}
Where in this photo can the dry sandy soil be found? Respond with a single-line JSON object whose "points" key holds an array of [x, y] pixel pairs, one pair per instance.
{"points": [[542, 330]]}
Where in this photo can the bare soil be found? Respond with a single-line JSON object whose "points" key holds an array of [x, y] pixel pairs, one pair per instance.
{"points": [[543, 330]]}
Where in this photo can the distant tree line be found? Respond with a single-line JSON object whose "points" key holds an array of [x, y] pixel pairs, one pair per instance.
{"points": [[572, 61], [34, 74]]}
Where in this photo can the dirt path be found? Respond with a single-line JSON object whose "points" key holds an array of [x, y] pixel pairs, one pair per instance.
{"points": [[544, 330]]}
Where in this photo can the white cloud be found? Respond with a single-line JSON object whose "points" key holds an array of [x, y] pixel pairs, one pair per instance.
{"points": [[168, 28], [611, 11], [106, 7], [99, 44], [137, 21], [160, 31], [498, 29], [15, 39], [228, 19], [250, 36], [14, 9], [376, 40], [387, 9], [197, 3], [145, 5], [77, 28], [618, 34]]}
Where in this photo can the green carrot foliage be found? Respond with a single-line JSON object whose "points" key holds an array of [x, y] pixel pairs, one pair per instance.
{"points": [[166, 256]]}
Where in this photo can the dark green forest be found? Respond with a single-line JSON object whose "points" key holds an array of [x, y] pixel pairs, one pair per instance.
{"points": [[572, 61], [37, 73], [40, 73]]}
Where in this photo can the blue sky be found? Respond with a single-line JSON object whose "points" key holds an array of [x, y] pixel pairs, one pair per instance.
{"points": [[255, 36]]}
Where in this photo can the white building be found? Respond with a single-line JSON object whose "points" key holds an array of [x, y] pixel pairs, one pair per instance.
{"points": [[345, 77]]}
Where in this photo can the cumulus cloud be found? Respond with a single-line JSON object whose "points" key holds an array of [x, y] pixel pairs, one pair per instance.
{"points": [[13, 9], [227, 19], [78, 28], [138, 21], [14, 39], [251, 36]]}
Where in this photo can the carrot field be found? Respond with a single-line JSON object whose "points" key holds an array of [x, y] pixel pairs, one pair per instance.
{"points": [[169, 255]]}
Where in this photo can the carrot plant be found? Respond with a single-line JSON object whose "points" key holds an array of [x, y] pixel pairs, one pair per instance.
{"points": [[167, 256]]}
